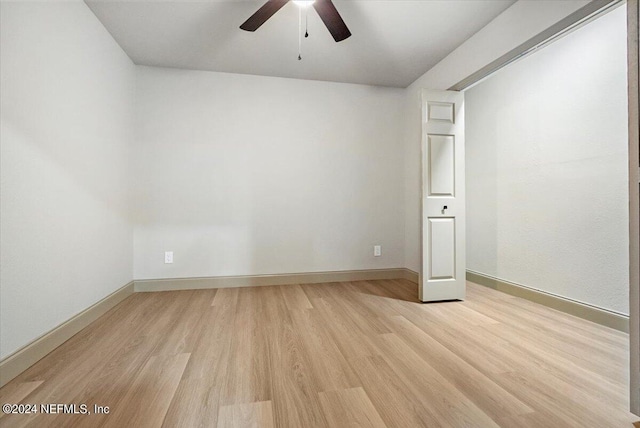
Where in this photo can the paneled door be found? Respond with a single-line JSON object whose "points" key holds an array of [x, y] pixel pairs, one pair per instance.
{"points": [[443, 203]]}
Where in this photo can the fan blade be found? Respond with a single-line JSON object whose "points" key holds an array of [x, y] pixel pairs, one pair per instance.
{"points": [[265, 12], [332, 19]]}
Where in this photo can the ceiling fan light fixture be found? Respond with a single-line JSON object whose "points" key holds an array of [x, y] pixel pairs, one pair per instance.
{"points": [[325, 9], [303, 3]]}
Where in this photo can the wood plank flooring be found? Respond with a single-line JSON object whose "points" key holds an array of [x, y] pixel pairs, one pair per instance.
{"points": [[352, 354]]}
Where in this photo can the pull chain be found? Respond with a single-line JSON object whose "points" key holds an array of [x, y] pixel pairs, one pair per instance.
{"points": [[306, 23], [299, 34]]}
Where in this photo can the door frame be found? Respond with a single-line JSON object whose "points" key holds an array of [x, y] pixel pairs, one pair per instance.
{"points": [[634, 205]]}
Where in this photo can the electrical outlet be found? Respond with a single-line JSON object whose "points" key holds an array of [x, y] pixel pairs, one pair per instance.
{"points": [[168, 256], [377, 250]]}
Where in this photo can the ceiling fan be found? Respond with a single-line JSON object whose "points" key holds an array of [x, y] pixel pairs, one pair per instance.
{"points": [[325, 8]]}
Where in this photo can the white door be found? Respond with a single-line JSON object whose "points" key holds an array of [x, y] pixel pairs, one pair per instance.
{"points": [[443, 203]]}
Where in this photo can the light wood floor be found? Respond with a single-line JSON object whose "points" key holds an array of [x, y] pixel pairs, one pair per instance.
{"points": [[363, 354]]}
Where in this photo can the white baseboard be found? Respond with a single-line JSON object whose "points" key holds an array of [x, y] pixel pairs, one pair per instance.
{"points": [[411, 275], [582, 310], [149, 285], [14, 364]]}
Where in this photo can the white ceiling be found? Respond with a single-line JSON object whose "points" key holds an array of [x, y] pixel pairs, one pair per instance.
{"points": [[393, 43]]}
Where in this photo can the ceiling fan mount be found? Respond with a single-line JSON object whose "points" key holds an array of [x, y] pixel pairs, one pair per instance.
{"points": [[325, 8]]}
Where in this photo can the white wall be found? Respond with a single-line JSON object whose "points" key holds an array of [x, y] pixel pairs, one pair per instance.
{"points": [[516, 25], [242, 175], [547, 168], [65, 129]]}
